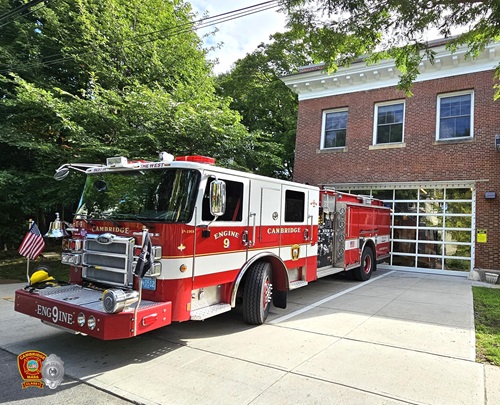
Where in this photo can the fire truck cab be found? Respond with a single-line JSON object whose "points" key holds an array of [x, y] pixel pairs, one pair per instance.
{"points": [[216, 238]]}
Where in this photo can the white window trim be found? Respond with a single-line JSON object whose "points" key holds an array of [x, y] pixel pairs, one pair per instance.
{"points": [[323, 127], [375, 121], [438, 114]]}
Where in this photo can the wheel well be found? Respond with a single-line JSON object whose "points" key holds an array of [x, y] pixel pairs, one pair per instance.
{"points": [[279, 275], [370, 244]]}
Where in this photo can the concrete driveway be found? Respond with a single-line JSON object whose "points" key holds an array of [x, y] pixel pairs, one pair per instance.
{"points": [[399, 338]]}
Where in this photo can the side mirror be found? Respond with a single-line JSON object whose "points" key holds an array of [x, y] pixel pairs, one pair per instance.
{"points": [[61, 174], [217, 198]]}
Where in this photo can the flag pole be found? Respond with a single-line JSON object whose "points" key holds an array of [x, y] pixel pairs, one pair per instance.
{"points": [[30, 222], [144, 233]]}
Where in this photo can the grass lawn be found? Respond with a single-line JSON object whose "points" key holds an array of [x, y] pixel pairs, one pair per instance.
{"points": [[13, 266], [487, 320]]}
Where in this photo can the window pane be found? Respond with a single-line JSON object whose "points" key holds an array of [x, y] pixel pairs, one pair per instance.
{"points": [[431, 221], [334, 139], [430, 249], [383, 194], [406, 194], [430, 262], [457, 250], [457, 264], [458, 193], [458, 236], [384, 134], [459, 208], [406, 261], [403, 247], [431, 193], [294, 206], [432, 235], [430, 207], [458, 222], [405, 207], [405, 220], [410, 234]]}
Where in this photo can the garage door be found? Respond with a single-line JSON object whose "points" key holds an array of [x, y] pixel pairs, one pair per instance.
{"points": [[431, 223]]}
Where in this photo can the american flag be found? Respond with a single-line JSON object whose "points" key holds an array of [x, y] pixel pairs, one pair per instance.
{"points": [[32, 244]]}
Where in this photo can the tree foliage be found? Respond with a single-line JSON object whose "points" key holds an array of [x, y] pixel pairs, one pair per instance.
{"points": [[81, 80], [339, 32], [268, 108]]}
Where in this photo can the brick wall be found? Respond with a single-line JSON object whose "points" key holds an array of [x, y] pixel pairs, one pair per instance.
{"points": [[423, 159]]}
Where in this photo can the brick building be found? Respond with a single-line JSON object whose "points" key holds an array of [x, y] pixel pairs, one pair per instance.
{"points": [[431, 157]]}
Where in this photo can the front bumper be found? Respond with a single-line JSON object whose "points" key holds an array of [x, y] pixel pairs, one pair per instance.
{"points": [[62, 306]]}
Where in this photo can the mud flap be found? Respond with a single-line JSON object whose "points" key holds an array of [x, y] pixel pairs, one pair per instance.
{"points": [[279, 298]]}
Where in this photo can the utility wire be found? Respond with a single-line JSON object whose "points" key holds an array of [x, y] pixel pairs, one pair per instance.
{"points": [[181, 28], [18, 10], [22, 15]]}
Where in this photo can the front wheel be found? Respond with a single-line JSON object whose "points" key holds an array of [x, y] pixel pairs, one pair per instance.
{"points": [[364, 272], [257, 294]]}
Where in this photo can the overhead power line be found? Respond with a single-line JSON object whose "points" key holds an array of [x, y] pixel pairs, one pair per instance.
{"points": [[180, 28], [16, 13]]}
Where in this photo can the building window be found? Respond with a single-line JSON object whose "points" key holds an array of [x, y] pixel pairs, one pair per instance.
{"points": [[334, 129], [389, 123], [455, 115]]}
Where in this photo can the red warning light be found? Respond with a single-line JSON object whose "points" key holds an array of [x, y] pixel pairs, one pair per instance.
{"points": [[197, 159]]}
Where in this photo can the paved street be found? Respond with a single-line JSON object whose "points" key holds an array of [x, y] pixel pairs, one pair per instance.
{"points": [[399, 338]]}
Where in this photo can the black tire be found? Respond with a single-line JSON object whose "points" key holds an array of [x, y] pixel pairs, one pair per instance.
{"points": [[364, 272], [257, 294]]}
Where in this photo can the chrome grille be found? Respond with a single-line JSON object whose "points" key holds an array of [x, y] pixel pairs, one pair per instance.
{"points": [[109, 263]]}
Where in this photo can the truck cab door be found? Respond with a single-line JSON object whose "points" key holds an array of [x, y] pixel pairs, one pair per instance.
{"points": [[264, 217]]}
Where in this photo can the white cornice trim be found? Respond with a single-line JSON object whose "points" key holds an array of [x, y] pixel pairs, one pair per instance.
{"points": [[361, 77]]}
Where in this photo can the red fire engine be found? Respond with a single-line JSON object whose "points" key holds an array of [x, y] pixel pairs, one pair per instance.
{"points": [[181, 239]]}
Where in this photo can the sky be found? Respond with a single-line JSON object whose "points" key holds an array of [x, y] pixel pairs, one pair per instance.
{"points": [[241, 35]]}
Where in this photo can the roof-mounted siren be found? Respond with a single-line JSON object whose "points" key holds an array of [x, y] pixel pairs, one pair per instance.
{"points": [[117, 161], [166, 157]]}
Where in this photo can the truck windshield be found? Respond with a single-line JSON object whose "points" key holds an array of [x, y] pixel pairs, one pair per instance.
{"points": [[167, 195]]}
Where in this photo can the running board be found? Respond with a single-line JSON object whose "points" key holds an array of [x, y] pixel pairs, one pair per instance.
{"points": [[208, 312], [298, 284], [328, 271]]}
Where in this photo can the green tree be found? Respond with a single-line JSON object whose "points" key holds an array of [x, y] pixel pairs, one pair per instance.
{"points": [[268, 108], [339, 32], [82, 80]]}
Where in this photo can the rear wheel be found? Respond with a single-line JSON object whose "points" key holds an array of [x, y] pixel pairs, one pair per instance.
{"points": [[364, 272], [257, 294]]}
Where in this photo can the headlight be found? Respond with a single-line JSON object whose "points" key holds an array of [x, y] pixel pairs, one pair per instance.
{"points": [[91, 322], [81, 319], [71, 259]]}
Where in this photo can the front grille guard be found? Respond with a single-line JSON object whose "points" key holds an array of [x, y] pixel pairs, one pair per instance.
{"points": [[109, 263]]}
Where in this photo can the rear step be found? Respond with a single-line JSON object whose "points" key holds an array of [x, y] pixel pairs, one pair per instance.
{"points": [[207, 312]]}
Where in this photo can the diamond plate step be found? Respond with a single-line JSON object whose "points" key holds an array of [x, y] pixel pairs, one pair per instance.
{"points": [[298, 284], [208, 312]]}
